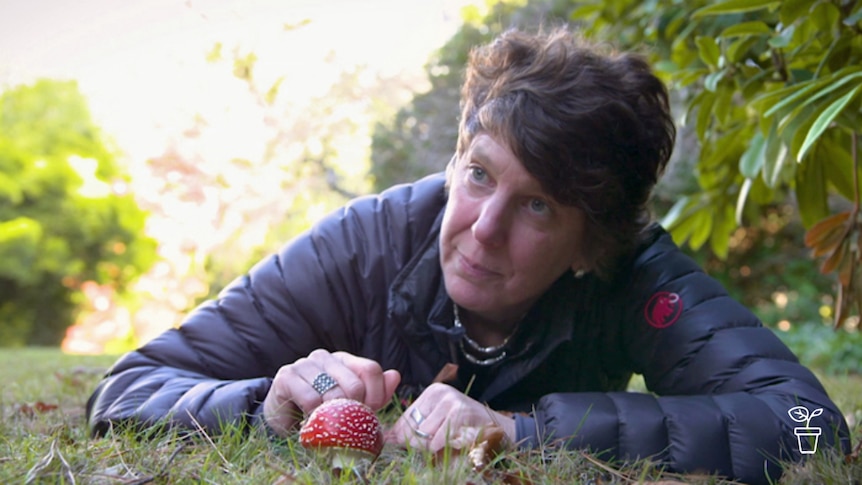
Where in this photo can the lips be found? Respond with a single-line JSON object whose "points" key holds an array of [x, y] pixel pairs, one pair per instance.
{"points": [[473, 270]]}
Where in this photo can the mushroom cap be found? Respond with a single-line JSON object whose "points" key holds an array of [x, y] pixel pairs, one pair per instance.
{"points": [[343, 423]]}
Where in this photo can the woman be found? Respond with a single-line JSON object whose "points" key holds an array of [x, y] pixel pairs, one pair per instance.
{"points": [[521, 288]]}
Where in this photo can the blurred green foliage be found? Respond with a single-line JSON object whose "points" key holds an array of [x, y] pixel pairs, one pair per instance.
{"points": [[772, 89], [822, 348], [65, 214]]}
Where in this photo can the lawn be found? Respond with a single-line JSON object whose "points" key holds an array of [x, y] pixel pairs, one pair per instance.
{"points": [[44, 440]]}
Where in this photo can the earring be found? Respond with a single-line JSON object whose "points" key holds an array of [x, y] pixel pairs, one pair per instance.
{"points": [[579, 273]]}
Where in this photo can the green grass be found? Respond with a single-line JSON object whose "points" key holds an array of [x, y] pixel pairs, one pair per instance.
{"points": [[46, 444]]}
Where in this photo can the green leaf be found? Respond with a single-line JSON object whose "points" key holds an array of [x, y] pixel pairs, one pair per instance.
{"points": [[842, 80], [742, 198], [794, 128], [711, 81], [702, 221], [272, 93], [825, 119], [811, 195], [214, 55], [708, 50], [844, 76], [243, 67], [676, 213], [739, 49], [723, 105], [754, 27], [854, 18], [804, 89], [683, 230], [19, 249], [762, 194], [10, 191], [734, 6], [783, 38], [704, 113], [774, 159], [753, 85], [722, 227], [793, 9], [666, 66], [767, 99], [825, 16], [751, 161], [686, 77], [586, 11], [838, 166]]}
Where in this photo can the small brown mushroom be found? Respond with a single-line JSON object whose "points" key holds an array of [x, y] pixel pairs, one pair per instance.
{"points": [[346, 429]]}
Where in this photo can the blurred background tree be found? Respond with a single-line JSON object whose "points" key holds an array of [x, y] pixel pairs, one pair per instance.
{"points": [[310, 157], [420, 138], [66, 217]]}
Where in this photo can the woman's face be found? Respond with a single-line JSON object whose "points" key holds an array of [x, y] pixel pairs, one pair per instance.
{"points": [[504, 241]]}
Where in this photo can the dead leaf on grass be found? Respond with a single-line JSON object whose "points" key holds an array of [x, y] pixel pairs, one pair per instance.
{"points": [[38, 407], [284, 480], [856, 456], [480, 446]]}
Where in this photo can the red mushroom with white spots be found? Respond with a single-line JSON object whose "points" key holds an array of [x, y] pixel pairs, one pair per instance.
{"points": [[347, 429]]}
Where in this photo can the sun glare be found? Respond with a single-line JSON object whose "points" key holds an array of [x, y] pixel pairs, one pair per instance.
{"points": [[196, 139]]}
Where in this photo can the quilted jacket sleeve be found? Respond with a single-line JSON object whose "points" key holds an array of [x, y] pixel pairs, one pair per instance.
{"points": [[721, 384], [322, 290]]}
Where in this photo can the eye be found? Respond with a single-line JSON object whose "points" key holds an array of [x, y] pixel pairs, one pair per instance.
{"points": [[477, 174], [539, 206]]}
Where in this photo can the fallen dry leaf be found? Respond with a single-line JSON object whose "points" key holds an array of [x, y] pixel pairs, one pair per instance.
{"points": [[38, 407], [490, 442], [284, 480], [855, 456]]}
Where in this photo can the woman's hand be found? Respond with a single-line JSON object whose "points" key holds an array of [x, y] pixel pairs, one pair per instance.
{"points": [[443, 415], [293, 393]]}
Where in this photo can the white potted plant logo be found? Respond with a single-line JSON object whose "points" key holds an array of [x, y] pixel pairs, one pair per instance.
{"points": [[800, 414]]}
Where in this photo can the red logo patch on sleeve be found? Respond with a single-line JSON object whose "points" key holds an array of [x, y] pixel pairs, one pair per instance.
{"points": [[663, 309]]}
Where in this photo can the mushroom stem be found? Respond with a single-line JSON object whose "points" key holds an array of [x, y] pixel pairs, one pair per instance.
{"points": [[348, 459]]}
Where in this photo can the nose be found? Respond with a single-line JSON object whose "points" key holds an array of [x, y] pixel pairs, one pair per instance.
{"points": [[492, 225]]}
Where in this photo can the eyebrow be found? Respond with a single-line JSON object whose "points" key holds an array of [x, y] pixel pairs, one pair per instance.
{"points": [[478, 152]]}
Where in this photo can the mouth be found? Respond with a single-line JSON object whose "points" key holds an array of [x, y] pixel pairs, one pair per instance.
{"points": [[474, 270]]}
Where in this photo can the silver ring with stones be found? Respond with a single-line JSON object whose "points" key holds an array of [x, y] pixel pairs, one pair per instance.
{"points": [[323, 382]]}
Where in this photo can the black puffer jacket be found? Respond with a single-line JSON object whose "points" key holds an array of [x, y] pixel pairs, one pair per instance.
{"points": [[367, 280]]}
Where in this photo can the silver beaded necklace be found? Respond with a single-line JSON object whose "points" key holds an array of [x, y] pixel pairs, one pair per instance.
{"points": [[496, 353]]}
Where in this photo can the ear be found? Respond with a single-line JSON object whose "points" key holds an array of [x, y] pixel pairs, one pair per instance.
{"points": [[579, 268]]}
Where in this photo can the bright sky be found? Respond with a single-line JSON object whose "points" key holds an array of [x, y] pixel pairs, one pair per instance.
{"points": [[142, 63]]}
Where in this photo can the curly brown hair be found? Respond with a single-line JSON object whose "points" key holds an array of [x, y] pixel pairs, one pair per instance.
{"points": [[593, 126]]}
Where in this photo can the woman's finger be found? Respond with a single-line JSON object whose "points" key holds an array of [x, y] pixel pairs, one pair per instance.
{"points": [[371, 388]]}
